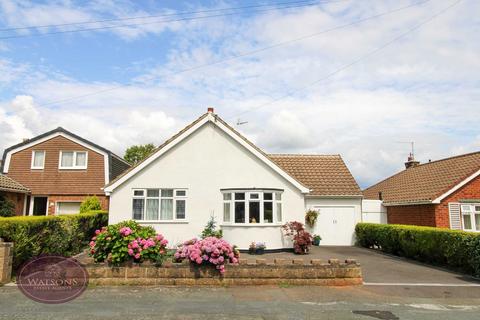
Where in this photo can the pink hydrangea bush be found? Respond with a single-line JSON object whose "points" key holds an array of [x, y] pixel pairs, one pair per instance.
{"points": [[210, 250], [127, 241]]}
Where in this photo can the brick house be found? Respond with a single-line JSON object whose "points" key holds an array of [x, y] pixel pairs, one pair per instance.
{"points": [[443, 193], [15, 192], [60, 169]]}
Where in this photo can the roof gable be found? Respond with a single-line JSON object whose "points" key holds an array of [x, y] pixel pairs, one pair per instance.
{"points": [[427, 183], [191, 128]]}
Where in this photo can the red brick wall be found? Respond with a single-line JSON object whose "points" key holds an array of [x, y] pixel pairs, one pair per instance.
{"points": [[18, 199], [72, 198], [469, 191], [52, 180], [420, 215]]}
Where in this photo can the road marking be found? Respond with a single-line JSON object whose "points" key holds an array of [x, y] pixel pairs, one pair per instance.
{"points": [[422, 284]]}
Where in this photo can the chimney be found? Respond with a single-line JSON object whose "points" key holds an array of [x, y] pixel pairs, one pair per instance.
{"points": [[411, 162], [210, 109]]}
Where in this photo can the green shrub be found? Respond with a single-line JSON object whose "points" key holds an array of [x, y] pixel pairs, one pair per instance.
{"points": [[90, 204], [64, 235], [210, 229], [455, 249], [7, 207]]}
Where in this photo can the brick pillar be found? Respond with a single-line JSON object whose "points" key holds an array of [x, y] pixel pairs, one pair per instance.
{"points": [[6, 258]]}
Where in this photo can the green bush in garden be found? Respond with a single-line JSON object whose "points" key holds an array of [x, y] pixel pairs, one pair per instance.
{"points": [[90, 204], [64, 235], [455, 249]]}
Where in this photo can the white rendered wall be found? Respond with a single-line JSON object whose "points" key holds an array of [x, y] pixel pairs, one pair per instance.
{"points": [[205, 162], [373, 211]]}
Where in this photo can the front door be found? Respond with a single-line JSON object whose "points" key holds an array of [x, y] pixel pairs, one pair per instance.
{"points": [[336, 225], [40, 206]]}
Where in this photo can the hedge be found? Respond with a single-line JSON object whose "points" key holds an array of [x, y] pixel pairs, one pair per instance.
{"points": [[64, 235], [454, 249]]}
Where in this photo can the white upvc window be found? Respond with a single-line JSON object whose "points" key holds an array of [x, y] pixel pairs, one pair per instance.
{"points": [[76, 160], [159, 204], [252, 206], [38, 159], [471, 217]]}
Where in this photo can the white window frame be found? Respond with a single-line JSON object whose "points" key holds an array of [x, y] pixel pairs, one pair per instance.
{"points": [[75, 166], [174, 207], [33, 160], [471, 212], [247, 200]]}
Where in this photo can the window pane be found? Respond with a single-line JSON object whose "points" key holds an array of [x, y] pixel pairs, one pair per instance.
{"points": [[465, 208], [167, 193], [279, 212], [181, 193], [477, 208], [67, 159], [254, 212], [267, 212], [38, 158], [477, 221], [180, 209], [254, 196], [226, 212], [152, 209], [267, 196], [278, 195], [227, 196], [138, 205], [81, 160], [239, 196], [138, 193], [152, 193], [166, 211], [240, 212], [467, 222]]}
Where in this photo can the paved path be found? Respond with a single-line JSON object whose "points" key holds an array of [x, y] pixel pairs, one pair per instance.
{"points": [[259, 302], [381, 268]]}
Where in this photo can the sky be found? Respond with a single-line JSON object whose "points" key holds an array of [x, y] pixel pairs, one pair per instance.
{"points": [[355, 78]]}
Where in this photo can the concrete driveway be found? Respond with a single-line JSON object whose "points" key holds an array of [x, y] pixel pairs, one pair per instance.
{"points": [[379, 268]]}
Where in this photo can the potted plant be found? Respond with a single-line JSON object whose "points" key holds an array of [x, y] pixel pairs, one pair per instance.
{"points": [[316, 240], [311, 217], [260, 248], [302, 240], [251, 248]]}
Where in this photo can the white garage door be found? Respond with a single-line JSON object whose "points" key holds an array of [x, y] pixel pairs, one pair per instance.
{"points": [[336, 226], [68, 207]]}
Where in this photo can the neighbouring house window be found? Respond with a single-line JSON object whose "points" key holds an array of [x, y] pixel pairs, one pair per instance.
{"points": [[73, 160], [259, 206], [471, 217], [38, 159], [159, 204]]}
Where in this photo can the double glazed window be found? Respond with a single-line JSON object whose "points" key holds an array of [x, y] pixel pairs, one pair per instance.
{"points": [[471, 217], [159, 204], [259, 206], [38, 159], [73, 160]]}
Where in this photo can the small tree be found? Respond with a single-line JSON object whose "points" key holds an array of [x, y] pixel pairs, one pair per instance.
{"points": [[210, 229], [135, 154], [90, 204], [302, 240], [7, 207]]}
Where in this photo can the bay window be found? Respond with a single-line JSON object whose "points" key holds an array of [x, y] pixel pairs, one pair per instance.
{"points": [[251, 207], [159, 204], [471, 217]]}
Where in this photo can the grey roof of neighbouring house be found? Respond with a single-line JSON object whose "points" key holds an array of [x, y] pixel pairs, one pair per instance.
{"points": [[8, 184]]}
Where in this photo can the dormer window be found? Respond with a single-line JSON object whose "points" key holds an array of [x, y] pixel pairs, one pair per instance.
{"points": [[38, 159], [73, 160]]}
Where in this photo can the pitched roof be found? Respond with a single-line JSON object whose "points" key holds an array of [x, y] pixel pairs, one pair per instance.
{"points": [[8, 184], [425, 182], [325, 175]]}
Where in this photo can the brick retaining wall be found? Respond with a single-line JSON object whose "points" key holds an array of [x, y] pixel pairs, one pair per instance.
{"points": [[6, 258], [281, 272]]}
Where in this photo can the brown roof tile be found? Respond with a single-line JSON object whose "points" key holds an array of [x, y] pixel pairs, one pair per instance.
{"points": [[425, 182], [325, 175], [8, 184]]}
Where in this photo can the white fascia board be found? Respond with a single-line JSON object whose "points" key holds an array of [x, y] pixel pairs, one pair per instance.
{"points": [[458, 186], [53, 135], [209, 118]]}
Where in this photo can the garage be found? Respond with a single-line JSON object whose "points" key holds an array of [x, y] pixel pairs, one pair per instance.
{"points": [[68, 207], [336, 225]]}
